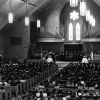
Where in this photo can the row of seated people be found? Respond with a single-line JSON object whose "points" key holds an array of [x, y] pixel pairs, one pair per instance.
{"points": [[75, 73], [43, 93], [18, 78], [75, 81], [15, 71]]}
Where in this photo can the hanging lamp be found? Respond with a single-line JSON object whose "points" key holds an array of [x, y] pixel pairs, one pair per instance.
{"points": [[83, 8], [92, 21], [27, 20], [38, 23], [73, 3], [38, 20], [87, 15], [10, 14]]}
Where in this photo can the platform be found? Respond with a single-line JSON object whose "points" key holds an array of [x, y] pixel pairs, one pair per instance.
{"points": [[62, 64]]}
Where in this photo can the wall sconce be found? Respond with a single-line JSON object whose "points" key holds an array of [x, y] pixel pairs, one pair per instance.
{"points": [[92, 21]]}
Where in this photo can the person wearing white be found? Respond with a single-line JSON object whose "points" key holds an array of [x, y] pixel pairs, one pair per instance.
{"points": [[85, 59], [49, 59]]}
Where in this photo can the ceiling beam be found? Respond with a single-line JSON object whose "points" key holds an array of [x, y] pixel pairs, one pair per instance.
{"points": [[97, 2], [29, 3]]}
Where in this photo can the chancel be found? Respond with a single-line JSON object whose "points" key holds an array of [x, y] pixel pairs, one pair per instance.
{"points": [[49, 49]]}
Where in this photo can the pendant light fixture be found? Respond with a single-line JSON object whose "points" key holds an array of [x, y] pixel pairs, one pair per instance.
{"points": [[38, 20], [10, 14], [27, 20], [92, 21], [87, 15], [73, 3], [38, 23], [82, 8]]}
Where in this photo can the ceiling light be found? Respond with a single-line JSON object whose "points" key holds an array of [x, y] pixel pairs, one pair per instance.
{"points": [[82, 8], [87, 15], [27, 20], [38, 23], [73, 3], [10, 14], [10, 17]]}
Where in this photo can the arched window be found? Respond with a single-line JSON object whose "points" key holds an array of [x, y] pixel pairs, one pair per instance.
{"points": [[70, 32], [78, 37]]}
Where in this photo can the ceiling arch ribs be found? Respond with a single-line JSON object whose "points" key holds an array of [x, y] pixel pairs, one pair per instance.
{"points": [[18, 8]]}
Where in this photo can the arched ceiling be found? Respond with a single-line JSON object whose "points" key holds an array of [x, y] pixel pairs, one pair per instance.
{"points": [[19, 8]]}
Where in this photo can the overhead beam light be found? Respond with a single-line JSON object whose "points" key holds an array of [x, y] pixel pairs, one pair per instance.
{"points": [[87, 15], [93, 22]]}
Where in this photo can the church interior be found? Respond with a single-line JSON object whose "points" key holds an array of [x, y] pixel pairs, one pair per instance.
{"points": [[49, 50]]}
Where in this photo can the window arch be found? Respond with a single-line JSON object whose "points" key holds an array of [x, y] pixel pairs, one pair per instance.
{"points": [[70, 31], [78, 37]]}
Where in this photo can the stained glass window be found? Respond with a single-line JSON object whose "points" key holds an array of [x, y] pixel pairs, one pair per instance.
{"points": [[70, 32]]}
